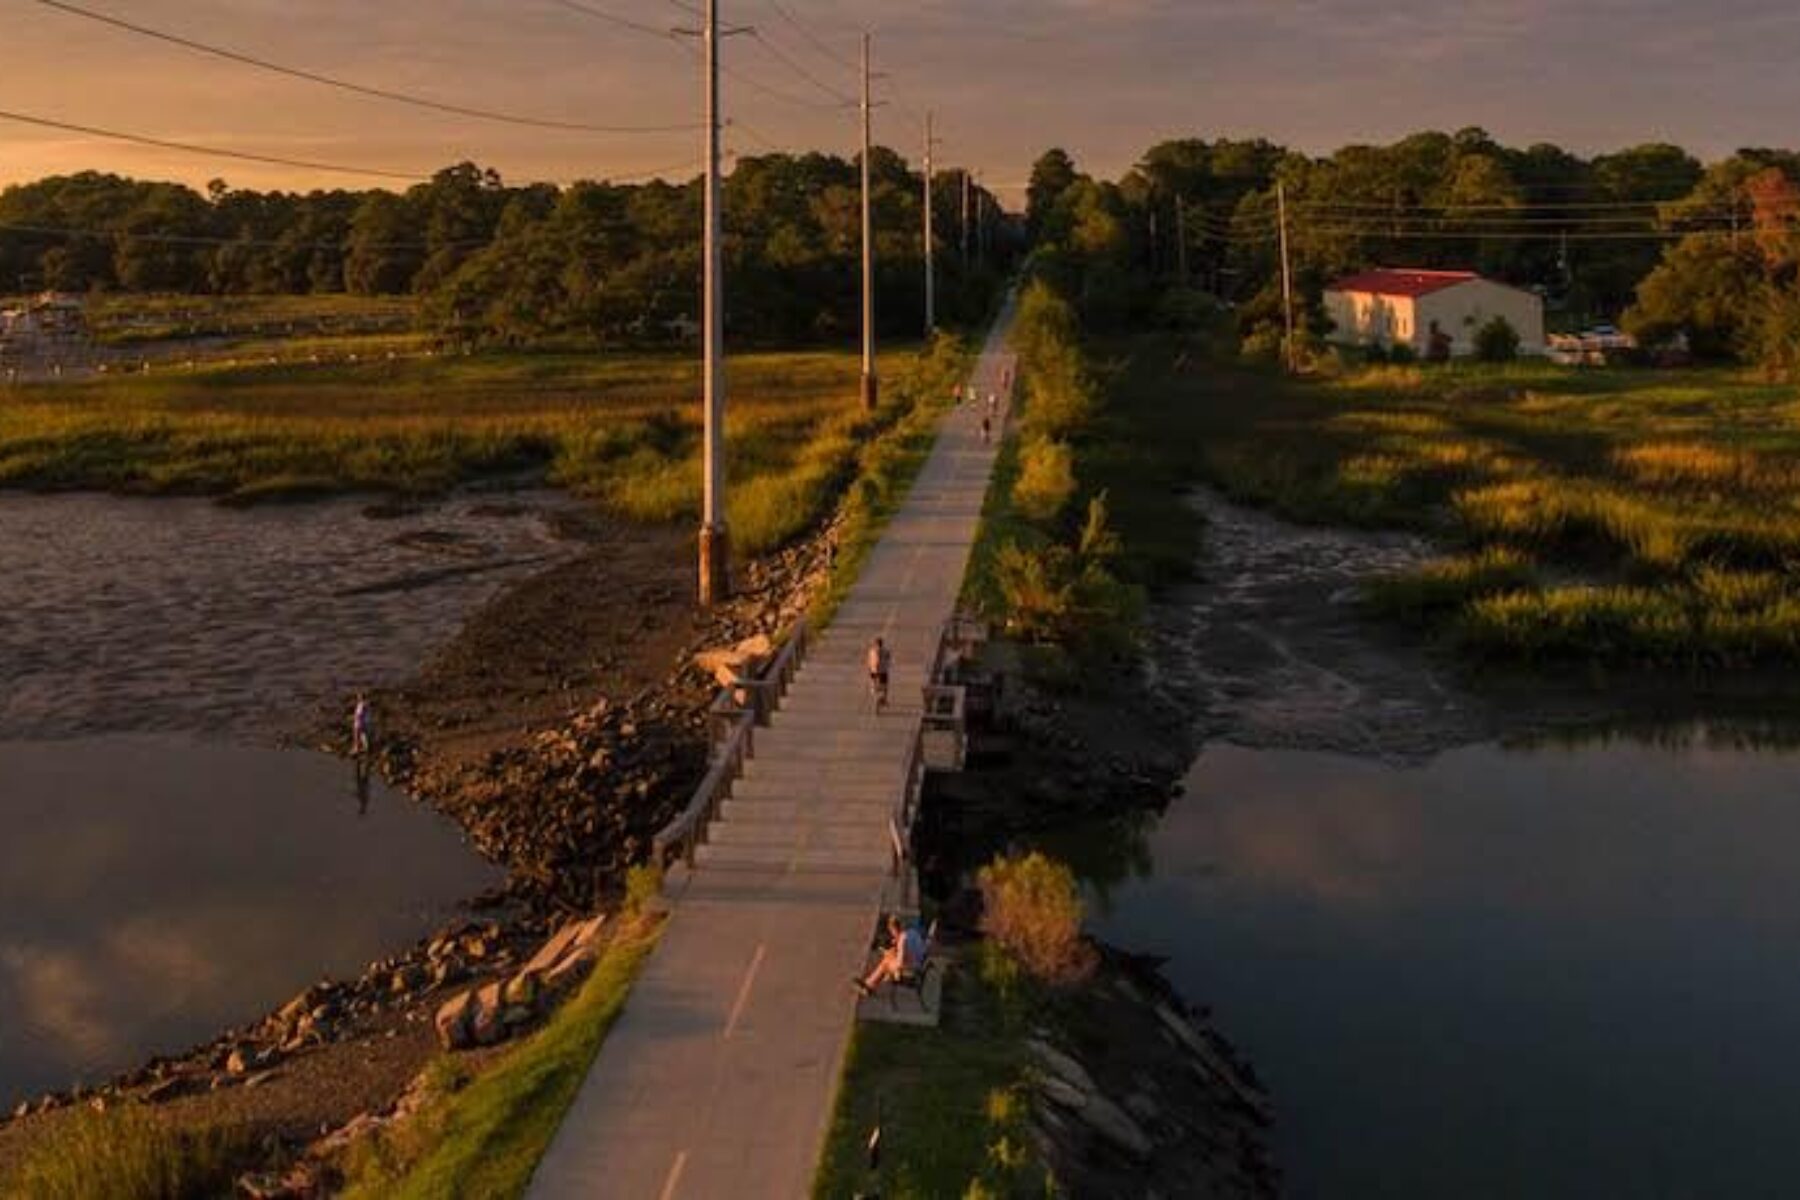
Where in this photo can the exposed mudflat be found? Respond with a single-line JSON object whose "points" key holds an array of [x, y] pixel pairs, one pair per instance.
{"points": [[1270, 647], [182, 615]]}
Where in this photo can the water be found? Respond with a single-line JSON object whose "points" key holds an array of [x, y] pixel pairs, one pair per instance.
{"points": [[165, 870], [154, 891], [1474, 945], [1527, 972]]}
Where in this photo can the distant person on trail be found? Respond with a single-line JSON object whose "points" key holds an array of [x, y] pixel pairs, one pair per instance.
{"points": [[905, 952], [881, 662], [362, 722]]}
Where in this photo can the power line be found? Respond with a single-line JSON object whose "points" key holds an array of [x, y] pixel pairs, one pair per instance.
{"points": [[818, 43], [613, 18], [264, 64], [782, 56], [212, 151], [1515, 235]]}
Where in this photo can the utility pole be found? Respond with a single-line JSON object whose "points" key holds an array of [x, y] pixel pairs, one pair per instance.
{"points": [[870, 387], [986, 209], [715, 542], [965, 218], [930, 238], [1287, 279]]}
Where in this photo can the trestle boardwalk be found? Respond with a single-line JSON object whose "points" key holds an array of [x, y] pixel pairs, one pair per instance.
{"points": [[720, 1076]]}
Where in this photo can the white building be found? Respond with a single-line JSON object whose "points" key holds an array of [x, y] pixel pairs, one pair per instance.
{"points": [[1397, 305]]}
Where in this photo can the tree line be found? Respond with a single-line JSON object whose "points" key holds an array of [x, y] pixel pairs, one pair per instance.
{"points": [[526, 263], [1649, 235]]}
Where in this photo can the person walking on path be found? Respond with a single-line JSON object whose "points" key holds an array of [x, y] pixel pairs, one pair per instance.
{"points": [[880, 662], [362, 722]]}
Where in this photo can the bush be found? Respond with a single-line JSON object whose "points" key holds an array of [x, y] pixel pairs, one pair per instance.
{"points": [[1046, 479], [1497, 341], [1035, 590], [129, 1154], [643, 887], [1032, 910]]}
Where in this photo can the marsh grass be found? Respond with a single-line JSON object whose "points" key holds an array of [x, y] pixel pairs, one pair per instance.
{"points": [[130, 1153], [1620, 515], [623, 429]]}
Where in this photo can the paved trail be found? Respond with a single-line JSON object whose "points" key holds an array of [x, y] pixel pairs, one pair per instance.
{"points": [[719, 1078]]}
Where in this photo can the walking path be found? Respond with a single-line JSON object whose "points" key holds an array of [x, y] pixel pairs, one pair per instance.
{"points": [[720, 1076]]}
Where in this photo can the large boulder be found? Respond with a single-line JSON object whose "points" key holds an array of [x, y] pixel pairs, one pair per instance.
{"points": [[485, 1026], [728, 664], [454, 1020]]}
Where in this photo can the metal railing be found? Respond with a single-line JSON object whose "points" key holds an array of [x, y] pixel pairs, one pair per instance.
{"points": [[732, 718]]}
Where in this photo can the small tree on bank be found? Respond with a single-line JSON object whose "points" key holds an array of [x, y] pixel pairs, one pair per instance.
{"points": [[1032, 909]]}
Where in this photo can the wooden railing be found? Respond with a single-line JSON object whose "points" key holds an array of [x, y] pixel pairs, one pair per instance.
{"points": [[732, 718], [940, 734]]}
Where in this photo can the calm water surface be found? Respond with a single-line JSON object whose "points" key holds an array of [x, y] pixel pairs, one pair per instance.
{"points": [[165, 872], [1537, 972], [155, 891]]}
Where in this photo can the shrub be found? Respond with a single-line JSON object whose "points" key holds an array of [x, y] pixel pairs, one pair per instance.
{"points": [[1032, 909], [1035, 589], [1497, 341], [129, 1154], [1046, 479], [643, 887]]}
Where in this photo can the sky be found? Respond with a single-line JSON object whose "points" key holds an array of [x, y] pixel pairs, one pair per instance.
{"points": [[1005, 79]]}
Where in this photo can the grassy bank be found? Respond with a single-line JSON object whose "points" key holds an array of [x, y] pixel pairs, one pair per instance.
{"points": [[1621, 516], [624, 429], [482, 1137], [948, 1102]]}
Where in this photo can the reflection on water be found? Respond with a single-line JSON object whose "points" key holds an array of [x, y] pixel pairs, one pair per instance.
{"points": [[155, 891], [1555, 971]]}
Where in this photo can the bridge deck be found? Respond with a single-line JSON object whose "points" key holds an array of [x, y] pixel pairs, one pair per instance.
{"points": [[719, 1078]]}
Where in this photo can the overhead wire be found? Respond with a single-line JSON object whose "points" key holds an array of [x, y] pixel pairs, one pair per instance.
{"points": [[212, 151], [380, 93]]}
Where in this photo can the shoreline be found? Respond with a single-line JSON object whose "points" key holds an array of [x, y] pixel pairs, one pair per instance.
{"points": [[485, 756]]}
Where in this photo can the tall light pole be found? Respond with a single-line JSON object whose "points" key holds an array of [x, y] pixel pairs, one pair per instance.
{"points": [[715, 542], [930, 238], [965, 217], [870, 387]]}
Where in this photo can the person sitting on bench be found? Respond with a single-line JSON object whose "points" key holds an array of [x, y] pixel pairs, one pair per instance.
{"points": [[905, 953]]}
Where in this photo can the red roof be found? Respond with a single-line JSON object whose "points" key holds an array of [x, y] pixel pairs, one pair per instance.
{"points": [[1401, 281]]}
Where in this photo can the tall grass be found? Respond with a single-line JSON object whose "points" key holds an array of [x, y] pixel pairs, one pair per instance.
{"points": [[1637, 492], [129, 1153], [624, 429]]}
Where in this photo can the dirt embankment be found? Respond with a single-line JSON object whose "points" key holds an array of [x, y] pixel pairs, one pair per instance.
{"points": [[560, 728]]}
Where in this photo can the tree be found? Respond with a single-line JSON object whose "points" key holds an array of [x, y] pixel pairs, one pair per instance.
{"points": [[1705, 289], [1051, 175]]}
